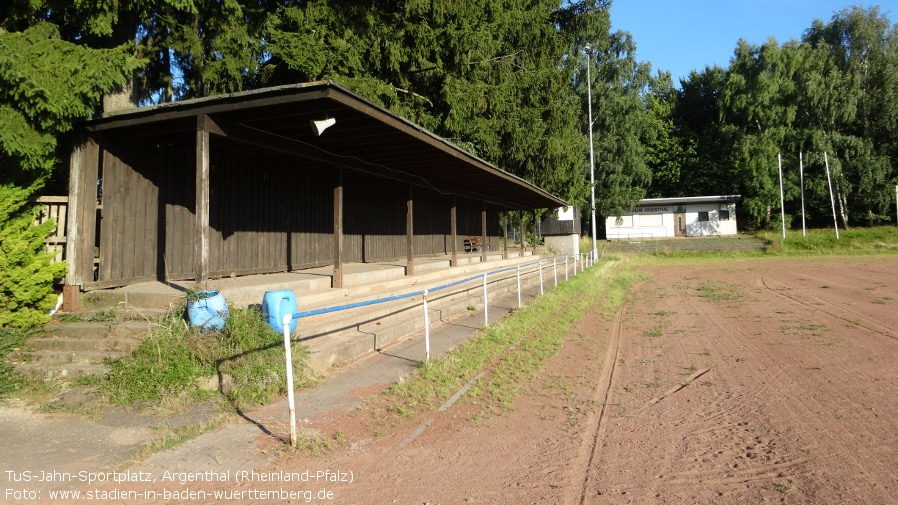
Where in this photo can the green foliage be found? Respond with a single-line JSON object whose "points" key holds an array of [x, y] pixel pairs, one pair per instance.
{"points": [[491, 76], [26, 285], [872, 240], [162, 368], [247, 356], [833, 91], [45, 85]]}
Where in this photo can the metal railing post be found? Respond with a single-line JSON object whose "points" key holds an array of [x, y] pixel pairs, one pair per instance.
{"points": [[426, 329], [291, 402], [540, 266], [486, 304], [555, 270], [519, 286]]}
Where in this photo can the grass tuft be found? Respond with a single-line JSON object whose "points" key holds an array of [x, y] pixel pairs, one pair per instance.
{"points": [[246, 358]]}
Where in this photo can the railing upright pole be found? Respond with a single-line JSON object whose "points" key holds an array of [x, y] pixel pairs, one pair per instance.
{"points": [[291, 402], [555, 270], [519, 286], [540, 266], [486, 304], [426, 329]]}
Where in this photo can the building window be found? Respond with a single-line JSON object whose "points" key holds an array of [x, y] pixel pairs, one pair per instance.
{"points": [[703, 216], [679, 208], [724, 215]]}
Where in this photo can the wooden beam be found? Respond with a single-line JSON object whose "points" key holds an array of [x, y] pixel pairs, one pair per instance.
{"points": [[201, 228], [453, 226], [410, 232], [505, 236], [338, 230], [82, 219], [483, 246]]}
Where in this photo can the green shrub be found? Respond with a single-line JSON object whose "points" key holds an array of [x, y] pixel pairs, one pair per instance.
{"points": [[26, 286]]}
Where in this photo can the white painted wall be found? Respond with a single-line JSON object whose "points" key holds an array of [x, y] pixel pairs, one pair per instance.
{"points": [[658, 222]]}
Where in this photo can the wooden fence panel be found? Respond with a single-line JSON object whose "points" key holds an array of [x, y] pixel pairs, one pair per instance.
{"points": [[54, 208]]}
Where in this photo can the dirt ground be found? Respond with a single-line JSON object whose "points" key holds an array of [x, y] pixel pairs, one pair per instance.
{"points": [[731, 381], [718, 381]]}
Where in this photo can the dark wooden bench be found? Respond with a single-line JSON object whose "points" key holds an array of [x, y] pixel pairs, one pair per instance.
{"points": [[473, 244]]}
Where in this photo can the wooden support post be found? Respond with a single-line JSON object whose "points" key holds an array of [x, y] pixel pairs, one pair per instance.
{"points": [[409, 232], [483, 244], [505, 236], [337, 281], [521, 214], [453, 225], [82, 225], [201, 228], [535, 238]]}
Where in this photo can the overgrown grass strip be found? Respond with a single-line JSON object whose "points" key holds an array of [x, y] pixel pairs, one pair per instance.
{"points": [[543, 324]]}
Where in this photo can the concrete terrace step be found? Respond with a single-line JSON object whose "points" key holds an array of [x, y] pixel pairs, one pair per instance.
{"points": [[70, 344], [57, 372], [334, 337], [56, 357], [64, 347], [335, 341]]}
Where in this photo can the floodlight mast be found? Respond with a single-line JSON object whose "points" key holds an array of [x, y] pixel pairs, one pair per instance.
{"points": [[592, 176]]}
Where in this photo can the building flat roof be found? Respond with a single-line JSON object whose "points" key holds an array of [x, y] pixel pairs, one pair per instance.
{"points": [[688, 199]]}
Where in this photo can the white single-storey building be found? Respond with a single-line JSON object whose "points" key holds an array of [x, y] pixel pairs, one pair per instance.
{"points": [[676, 217]]}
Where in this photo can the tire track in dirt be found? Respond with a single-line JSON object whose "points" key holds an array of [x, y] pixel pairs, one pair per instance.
{"points": [[591, 454], [834, 309], [783, 418]]}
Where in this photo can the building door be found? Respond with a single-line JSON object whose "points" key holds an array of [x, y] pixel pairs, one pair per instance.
{"points": [[679, 224]]}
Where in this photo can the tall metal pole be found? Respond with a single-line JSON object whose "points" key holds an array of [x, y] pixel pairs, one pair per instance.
{"points": [[804, 230], [592, 176], [782, 210], [832, 199]]}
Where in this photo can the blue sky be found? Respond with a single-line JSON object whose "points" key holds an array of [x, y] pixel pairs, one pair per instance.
{"points": [[685, 35]]}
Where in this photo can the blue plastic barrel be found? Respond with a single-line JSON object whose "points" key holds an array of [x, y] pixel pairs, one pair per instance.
{"points": [[209, 311], [275, 305]]}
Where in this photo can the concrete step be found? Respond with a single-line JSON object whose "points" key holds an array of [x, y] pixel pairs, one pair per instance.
{"points": [[73, 344], [40, 371], [55, 357], [332, 345], [92, 330]]}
